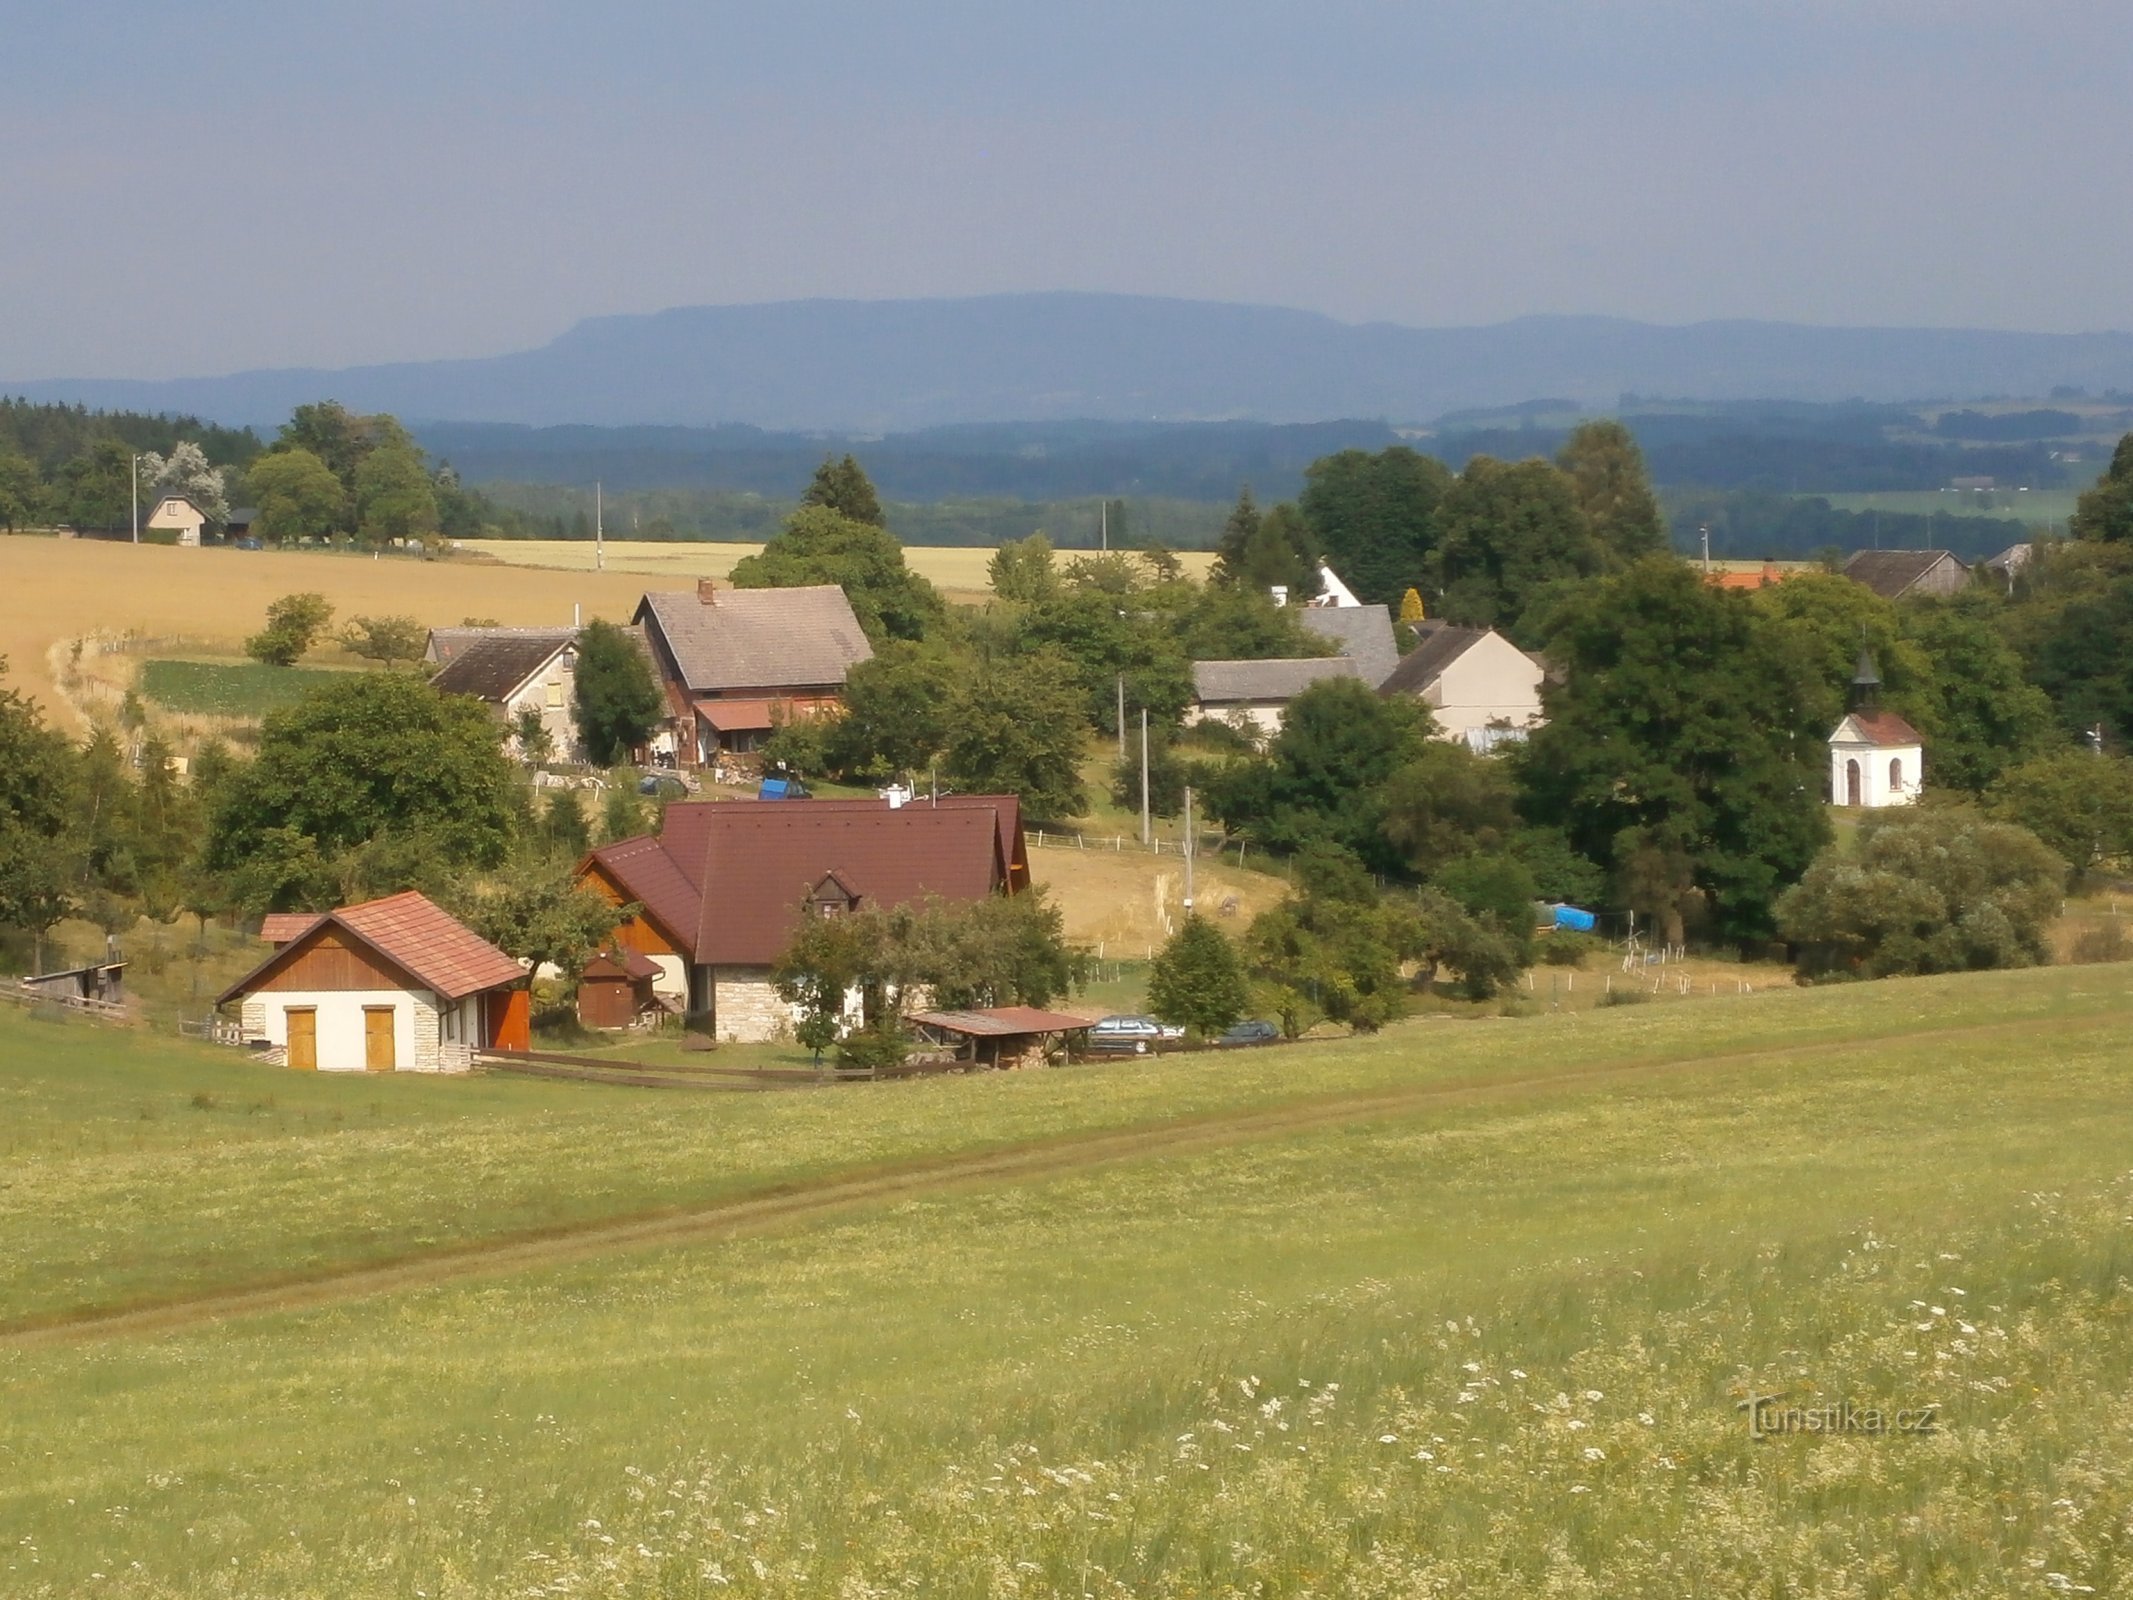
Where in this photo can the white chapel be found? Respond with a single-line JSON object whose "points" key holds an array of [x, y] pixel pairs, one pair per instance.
{"points": [[1875, 757]]}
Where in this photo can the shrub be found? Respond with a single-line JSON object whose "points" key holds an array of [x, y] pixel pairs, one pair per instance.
{"points": [[1565, 947], [2103, 943], [1624, 997]]}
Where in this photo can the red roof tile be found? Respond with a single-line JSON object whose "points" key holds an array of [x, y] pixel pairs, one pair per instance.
{"points": [[279, 927], [1882, 728]]}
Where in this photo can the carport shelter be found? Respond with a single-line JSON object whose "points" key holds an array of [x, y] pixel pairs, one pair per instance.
{"points": [[998, 1036], [389, 985]]}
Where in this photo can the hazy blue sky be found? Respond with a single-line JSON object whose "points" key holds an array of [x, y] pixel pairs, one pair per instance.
{"points": [[230, 183]]}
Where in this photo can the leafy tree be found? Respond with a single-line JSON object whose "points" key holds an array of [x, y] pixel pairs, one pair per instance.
{"points": [[1334, 951], [2104, 513], [297, 495], [294, 623], [1168, 774], [1374, 517], [106, 819], [1023, 572], [95, 490], [1559, 872], [618, 704], [1003, 950], [331, 433], [1609, 484], [1223, 622], [393, 496], [1238, 531], [378, 763], [541, 915], [1198, 979], [622, 814], [2080, 804], [821, 545], [167, 829], [1683, 751], [1016, 726], [1989, 716], [895, 718], [1498, 890], [1928, 889], [1411, 608], [37, 783], [1281, 554], [385, 640], [535, 743], [186, 471], [562, 825], [1828, 618], [1323, 779], [21, 491], [1477, 949], [2075, 634], [829, 958], [843, 487], [1448, 801], [1106, 635], [1505, 531]]}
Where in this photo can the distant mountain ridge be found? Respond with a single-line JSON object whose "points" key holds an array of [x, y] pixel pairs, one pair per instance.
{"points": [[870, 366]]}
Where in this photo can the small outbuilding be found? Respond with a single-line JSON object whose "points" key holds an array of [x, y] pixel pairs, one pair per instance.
{"points": [[998, 1036], [392, 985], [616, 989], [1875, 757]]}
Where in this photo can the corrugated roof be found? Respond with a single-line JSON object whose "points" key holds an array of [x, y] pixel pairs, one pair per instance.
{"points": [[1235, 682], [492, 668], [1000, 1021], [1362, 633], [1891, 573], [758, 638], [727, 879], [1877, 728], [413, 934], [1441, 644]]}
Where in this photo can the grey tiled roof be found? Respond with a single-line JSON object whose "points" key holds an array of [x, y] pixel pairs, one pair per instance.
{"points": [[758, 638], [1362, 633], [489, 669], [1442, 643], [1229, 682], [447, 643], [1889, 573]]}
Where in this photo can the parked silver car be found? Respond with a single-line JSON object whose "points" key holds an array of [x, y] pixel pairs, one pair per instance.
{"points": [[1138, 1035]]}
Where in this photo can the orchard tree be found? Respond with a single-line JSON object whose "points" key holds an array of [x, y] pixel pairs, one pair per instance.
{"points": [[1609, 484], [385, 640], [1023, 571], [618, 703], [297, 495], [1446, 802], [1335, 950], [2079, 803], [1198, 979], [541, 915], [1684, 749], [294, 623]]}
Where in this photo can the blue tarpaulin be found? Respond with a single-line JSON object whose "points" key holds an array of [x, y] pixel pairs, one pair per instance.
{"points": [[1572, 918]]}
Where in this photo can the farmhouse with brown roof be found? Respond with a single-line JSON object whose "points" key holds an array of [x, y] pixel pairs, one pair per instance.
{"points": [[1893, 574], [389, 985], [735, 663], [722, 887]]}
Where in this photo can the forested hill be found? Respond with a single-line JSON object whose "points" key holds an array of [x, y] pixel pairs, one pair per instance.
{"points": [[885, 365]]}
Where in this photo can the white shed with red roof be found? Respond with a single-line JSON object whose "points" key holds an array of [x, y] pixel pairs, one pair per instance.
{"points": [[1875, 757]]}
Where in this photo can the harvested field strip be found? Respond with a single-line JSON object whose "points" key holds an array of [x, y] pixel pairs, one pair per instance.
{"points": [[783, 1205]]}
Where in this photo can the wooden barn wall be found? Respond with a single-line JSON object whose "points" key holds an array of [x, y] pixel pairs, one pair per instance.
{"points": [[330, 962]]}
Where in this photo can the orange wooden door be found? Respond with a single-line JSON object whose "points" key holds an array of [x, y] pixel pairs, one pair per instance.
{"points": [[303, 1038], [378, 1039]]}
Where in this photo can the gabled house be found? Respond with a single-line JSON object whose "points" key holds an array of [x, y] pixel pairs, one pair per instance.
{"points": [[1255, 695], [736, 663], [721, 888], [1361, 633], [518, 670], [1893, 574], [1479, 685], [392, 985], [176, 513], [446, 644]]}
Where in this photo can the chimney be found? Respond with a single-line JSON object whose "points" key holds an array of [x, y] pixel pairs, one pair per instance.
{"points": [[707, 591]]}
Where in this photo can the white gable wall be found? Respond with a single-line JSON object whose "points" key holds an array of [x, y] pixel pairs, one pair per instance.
{"points": [[552, 691], [1493, 682], [1889, 774], [416, 1024]]}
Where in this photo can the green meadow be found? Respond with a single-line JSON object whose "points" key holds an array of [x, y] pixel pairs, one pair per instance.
{"points": [[1467, 1308], [227, 688]]}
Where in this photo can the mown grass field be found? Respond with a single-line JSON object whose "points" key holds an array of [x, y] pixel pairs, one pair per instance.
{"points": [[1460, 1310]]}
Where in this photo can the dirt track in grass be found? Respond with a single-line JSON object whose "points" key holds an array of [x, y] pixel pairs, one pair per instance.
{"points": [[786, 1205]]}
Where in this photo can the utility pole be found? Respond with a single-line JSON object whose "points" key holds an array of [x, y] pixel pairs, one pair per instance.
{"points": [[1103, 523], [1188, 850], [1146, 833], [599, 532], [1705, 530], [1121, 716], [136, 499]]}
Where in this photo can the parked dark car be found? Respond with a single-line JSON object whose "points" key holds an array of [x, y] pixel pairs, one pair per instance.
{"points": [[1247, 1033]]}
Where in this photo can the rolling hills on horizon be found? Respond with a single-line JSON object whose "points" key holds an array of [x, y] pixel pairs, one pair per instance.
{"points": [[877, 366]]}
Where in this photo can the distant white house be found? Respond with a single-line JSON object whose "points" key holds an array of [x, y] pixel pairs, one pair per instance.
{"points": [[1479, 685], [175, 513], [1332, 593], [1875, 757]]}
